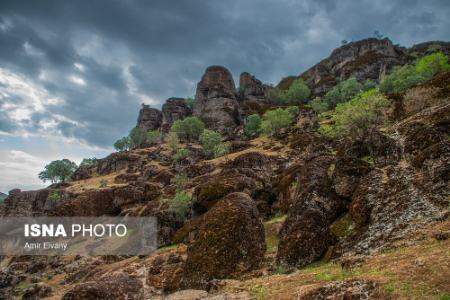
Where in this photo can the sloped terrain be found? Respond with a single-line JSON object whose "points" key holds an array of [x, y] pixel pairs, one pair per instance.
{"points": [[295, 216]]}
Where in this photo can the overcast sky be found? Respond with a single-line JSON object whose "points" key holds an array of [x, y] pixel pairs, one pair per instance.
{"points": [[73, 73]]}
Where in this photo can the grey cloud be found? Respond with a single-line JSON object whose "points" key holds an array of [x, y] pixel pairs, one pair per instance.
{"points": [[166, 45]]}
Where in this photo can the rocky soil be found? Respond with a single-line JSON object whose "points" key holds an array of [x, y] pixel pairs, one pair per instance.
{"points": [[297, 216]]}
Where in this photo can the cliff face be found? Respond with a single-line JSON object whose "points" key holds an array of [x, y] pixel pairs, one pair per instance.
{"points": [[367, 59]]}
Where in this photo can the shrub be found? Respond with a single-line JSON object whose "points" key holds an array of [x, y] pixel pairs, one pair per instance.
{"points": [[357, 117], [221, 149], [212, 145], [179, 180], [58, 170], [179, 204], [293, 110], [137, 137], [432, 64], [55, 196], [342, 92], [153, 136], [318, 105], [401, 79], [252, 125], [181, 153], [409, 75], [103, 183], [172, 141], [122, 144], [88, 162], [297, 93], [209, 140], [189, 128], [275, 120]]}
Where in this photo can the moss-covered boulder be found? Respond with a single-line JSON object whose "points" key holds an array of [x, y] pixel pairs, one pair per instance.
{"points": [[230, 242]]}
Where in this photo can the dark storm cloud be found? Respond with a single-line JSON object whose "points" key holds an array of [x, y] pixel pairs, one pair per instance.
{"points": [[103, 58]]}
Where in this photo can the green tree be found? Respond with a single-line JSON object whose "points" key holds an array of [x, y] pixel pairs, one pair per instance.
{"points": [[137, 137], [153, 136], [401, 79], [432, 64], [172, 141], [190, 128], [275, 120], [209, 140], [342, 92], [252, 125], [357, 117], [58, 170], [298, 92], [122, 144], [181, 153], [87, 162], [408, 75]]}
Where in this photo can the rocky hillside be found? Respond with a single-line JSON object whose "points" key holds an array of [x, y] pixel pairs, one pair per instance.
{"points": [[368, 59], [297, 215]]}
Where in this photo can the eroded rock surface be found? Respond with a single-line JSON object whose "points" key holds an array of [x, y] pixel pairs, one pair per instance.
{"points": [[230, 242]]}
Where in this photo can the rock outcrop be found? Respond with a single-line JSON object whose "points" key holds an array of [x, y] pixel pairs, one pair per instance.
{"points": [[174, 109], [216, 102], [149, 118], [305, 235], [367, 59], [252, 95], [230, 241]]}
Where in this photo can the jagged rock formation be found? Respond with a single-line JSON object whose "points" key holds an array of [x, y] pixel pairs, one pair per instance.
{"points": [[366, 60], [252, 95], [216, 102], [149, 118], [174, 109], [422, 49]]}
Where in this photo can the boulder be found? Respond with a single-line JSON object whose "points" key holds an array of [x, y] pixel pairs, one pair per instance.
{"points": [[174, 109], [216, 102], [248, 173], [305, 235], [149, 118], [115, 286], [230, 242]]}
